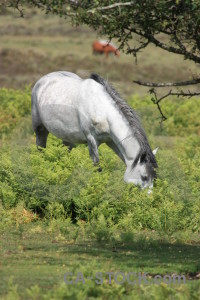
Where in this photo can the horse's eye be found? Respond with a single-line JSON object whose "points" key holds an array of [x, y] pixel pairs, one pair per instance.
{"points": [[144, 178]]}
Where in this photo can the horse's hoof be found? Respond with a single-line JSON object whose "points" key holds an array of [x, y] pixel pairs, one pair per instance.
{"points": [[99, 169]]}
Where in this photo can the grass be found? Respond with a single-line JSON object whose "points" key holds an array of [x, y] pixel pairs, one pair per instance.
{"points": [[39, 255]]}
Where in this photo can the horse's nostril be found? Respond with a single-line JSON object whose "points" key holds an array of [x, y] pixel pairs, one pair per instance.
{"points": [[144, 178]]}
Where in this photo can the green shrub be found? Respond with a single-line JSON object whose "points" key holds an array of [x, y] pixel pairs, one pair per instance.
{"points": [[182, 115], [14, 104], [56, 183]]}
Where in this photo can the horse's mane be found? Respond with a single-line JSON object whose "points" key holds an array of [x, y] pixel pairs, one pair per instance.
{"points": [[133, 119]]}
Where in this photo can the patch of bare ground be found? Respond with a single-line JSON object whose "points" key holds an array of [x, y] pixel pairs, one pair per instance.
{"points": [[19, 67], [52, 30]]}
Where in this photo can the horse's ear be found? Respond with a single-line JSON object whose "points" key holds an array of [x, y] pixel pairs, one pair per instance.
{"points": [[143, 157], [155, 151]]}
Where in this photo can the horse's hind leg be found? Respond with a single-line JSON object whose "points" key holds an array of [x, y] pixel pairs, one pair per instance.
{"points": [[69, 145], [41, 136], [93, 150]]}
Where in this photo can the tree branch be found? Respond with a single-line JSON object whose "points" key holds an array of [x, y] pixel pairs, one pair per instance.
{"points": [[137, 49], [40, 5], [163, 84], [172, 49], [20, 10], [156, 42], [111, 6]]}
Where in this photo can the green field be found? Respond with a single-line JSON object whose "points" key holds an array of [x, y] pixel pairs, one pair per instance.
{"points": [[58, 214]]}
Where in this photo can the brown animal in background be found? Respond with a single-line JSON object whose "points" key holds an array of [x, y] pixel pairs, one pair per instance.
{"points": [[100, 47]]}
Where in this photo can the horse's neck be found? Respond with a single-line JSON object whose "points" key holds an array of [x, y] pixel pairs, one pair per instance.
{"points": [[123, 137]]}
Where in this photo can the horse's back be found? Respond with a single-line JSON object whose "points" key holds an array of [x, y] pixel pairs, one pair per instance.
{"points": [[67, 89], [55, 87], [67, 105], [60, 74]]}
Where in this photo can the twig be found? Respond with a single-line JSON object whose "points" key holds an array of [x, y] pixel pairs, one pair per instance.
{"points": [[137, 49], [157, 100]]}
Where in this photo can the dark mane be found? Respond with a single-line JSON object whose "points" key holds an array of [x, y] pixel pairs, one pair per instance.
{"points": [[133, 119]]}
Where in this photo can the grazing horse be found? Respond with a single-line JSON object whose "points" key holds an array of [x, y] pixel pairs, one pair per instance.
{"points": [[91, 111], [104, 47]]}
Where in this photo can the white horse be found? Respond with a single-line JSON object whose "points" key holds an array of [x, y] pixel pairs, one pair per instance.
{"points": [[91, 111]]}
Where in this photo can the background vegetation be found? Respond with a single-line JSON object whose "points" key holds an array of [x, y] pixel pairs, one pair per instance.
{"points": [[58, 214]]}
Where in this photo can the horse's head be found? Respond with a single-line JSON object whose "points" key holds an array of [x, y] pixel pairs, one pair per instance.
{"points": [[142, 171]]}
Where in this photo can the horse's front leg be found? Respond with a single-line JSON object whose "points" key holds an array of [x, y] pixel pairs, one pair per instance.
{"points": [[112, 145], [93, 150]]}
